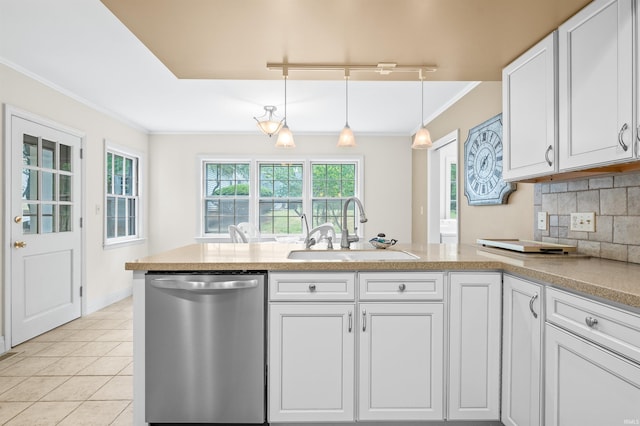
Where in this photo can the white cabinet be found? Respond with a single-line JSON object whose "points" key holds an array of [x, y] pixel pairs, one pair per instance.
{"points": [[587, 385], [595, 81], [401, 361], [311, 361], [311, 368], [592, 362], [522, 321], [529, 89], [474, 346]]}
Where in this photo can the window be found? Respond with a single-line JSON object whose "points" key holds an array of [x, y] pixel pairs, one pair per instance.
{"points": [[227, 194], [451, 179], [273, 194], [122, 202]]}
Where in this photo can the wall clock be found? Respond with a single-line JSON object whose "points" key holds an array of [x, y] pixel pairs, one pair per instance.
{"points": [[483, 183]]}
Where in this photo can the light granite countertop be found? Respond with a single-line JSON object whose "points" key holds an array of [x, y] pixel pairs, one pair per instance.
{"points": [[613, 281]]}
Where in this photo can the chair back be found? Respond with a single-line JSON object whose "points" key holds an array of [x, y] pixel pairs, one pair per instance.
{"points": [[237, 236]]}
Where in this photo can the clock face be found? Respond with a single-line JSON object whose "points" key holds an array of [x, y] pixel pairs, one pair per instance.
{"points": [[483, 165]]}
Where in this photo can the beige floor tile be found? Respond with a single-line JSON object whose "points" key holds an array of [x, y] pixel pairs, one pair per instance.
{"points": [[9, 410], [31, 348], [116, 336], [117, 388], [123, 349], [105, 315], [106, 366], [95, 413], [77, 388], [7, 383], [28, 366], [10, 358], [78, 324], [85, 335], [125, 418], [107, 324], [95, 349], [33, 388], [127, 371], [43, 414], [67, 366], [55, 335], [59, 349]]}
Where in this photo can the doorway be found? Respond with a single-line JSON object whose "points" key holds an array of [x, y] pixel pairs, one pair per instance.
{"points": [[443, 194], [43, 238]]}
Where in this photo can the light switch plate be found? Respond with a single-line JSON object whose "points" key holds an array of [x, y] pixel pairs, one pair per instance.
{"points": [[542, 221], [583, 222]]}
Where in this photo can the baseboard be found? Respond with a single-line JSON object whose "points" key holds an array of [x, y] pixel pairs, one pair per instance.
{"points": [[2, 348], [96, 305]]}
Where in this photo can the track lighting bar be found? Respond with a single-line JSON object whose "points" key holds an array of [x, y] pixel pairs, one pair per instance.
{"points": [[383, 68]]}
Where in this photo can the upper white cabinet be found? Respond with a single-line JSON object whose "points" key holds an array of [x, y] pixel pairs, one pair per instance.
{"points": [[595, 81], [529, 112], [474, 345], [522, 323]]}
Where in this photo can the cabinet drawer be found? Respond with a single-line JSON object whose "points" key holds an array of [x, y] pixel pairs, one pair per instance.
{"points": [[611, 327], [401, 285], [311, 286]]}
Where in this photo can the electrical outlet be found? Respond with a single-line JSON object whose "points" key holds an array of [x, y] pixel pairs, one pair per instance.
{"points": [[583, 222], [542, 221]]}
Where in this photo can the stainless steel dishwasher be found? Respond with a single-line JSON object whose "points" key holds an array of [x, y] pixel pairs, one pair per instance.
{"points": [[205, 348]]}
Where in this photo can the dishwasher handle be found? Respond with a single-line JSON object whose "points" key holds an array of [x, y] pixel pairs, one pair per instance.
{"points": [[203, 287]]}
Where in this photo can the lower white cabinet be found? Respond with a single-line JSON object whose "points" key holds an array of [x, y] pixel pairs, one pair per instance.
{"points": [[587, 385], [400, 361], [311, 368], [522, 323], [474, 345]]}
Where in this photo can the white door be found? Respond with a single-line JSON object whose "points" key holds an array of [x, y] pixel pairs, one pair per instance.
{"points": [[311, 362], [521, 353], [401, 361], [443, 194], [45, 236]]}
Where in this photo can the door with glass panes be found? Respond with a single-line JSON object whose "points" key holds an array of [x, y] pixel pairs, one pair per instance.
{"points": [[45, 231]]}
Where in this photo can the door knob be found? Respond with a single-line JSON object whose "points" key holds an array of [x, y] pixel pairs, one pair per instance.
{"points": [[19, 244], [17, 219]]}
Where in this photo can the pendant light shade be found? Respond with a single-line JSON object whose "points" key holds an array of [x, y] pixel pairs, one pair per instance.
{"points": [[285, 137], [346, 138], [268, 123], [422, 138]]}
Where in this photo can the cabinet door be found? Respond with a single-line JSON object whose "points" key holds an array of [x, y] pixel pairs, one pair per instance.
{"points": [[529, 110], [401, 361], [596, 85], [586, 385], [474, 346], [311, 362], [522, 320]]}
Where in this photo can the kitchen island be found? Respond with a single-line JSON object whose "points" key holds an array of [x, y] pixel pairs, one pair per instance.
{"points": [[615, 283]]}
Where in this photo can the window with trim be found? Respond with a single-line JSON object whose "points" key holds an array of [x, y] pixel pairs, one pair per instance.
{"points": [[274, 194], [122, 212]]}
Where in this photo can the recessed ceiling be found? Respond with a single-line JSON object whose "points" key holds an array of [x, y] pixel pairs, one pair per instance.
{"points": [[200, 65]]}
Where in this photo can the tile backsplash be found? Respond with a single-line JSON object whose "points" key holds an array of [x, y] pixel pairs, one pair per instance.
{"points": [[616, 203]]}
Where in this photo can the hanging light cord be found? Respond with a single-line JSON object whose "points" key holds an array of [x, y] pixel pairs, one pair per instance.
{"points": [[346, 94], [285, 98], [421, 100]]}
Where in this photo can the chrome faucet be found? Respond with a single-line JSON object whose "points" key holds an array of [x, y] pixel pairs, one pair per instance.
{"points": [[308, 242], [345, 239]]}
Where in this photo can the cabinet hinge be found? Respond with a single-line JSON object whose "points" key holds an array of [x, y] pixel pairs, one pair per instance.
{"points": [[80, 291], [81, 153], [81, 222]]}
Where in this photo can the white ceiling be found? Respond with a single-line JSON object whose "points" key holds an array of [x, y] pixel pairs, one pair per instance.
{"points": [[82, 49]]}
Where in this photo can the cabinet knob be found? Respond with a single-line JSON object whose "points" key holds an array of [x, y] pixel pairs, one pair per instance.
{"points": [[533, 299], [19, 244], [620, 141], [591, 322], [402, 287], [312, 287], [546, 155]]}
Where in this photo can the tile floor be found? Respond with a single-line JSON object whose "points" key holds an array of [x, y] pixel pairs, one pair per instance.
{"points": [[77, 374]]}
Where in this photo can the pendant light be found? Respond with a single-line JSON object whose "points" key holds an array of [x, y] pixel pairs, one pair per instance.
{"points": [[285, 137], [268, 123], [422, 139], [346, 139]]}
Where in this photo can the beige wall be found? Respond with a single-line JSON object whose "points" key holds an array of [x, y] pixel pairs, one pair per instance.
{"points": [[106, 278], [175, 176], [513, 220]]}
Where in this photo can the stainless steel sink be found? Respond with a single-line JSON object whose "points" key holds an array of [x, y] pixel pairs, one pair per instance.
{"points": [[351, 255]]}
